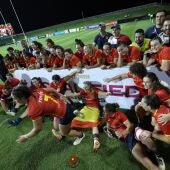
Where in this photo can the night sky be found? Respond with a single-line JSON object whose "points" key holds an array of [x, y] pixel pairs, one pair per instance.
{"points": [[35, 14]]}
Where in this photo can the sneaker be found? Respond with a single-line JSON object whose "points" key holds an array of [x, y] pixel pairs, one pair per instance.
{"points": [[15, 110], [108, 132], [10, 113], [78, 114], [160, 162], [15, 122], [96, 144], [78, 140]]}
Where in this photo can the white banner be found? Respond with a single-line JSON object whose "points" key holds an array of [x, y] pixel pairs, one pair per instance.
{"points": [[123, 92]]}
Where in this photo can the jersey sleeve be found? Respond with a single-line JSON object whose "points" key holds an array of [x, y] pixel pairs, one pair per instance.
{"points": [[82, 92], [34, 112], [135, 54], [122, 117]]}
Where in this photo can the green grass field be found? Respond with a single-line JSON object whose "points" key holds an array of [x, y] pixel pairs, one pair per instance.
{"points": [[44, 152]]}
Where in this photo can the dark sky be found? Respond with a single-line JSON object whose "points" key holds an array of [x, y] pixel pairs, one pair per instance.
{"points": [[35, 14]]}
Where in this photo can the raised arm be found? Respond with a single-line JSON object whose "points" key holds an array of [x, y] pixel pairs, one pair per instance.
{"points": [[72, 95], [119, 77], [71, 75], [102, 93], [147, 58], [119, 60]]}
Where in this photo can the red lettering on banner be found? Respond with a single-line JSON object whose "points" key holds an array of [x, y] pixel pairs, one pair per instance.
{"points": [[134, 88], [104, 87], [118, 90]]}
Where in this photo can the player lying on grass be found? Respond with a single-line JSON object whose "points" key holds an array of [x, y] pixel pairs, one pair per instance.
{"points": [[90, 111]]}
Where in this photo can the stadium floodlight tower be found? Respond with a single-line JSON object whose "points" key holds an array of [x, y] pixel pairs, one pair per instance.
{"points": [[18, 21], [3, 18]]}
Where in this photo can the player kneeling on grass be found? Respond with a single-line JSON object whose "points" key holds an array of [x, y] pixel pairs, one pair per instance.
{"points": [[40, 103], [118, 122]]}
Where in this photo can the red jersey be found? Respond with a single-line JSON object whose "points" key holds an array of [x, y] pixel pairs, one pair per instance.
{"points": [[139, 84], [10, 65], [116, 121], [133, 55], [58, 62], [21, 61], [109, 59], [60, 85], [164, 127], [91, 98], [73, 61], [14, 61], [30, 61], [1, 87], [79, 54], [50, 61], [163, 54], [12, 83], [162, 94], [40, 104], [92, 60]]}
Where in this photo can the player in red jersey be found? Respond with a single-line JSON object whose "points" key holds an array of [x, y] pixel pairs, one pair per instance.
{"points": [[59, 84], [127, 55], [137, 72], [79, 49], [89, 114], [152, 104], [92, 57], [159, 54], [71, 60], [11, 82], [40, 103], [110, 56], [36, 84], [118, 123], [154, 86]]}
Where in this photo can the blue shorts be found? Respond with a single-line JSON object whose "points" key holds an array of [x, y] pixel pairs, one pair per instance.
{"points": [[68, 117], [130, 141]]}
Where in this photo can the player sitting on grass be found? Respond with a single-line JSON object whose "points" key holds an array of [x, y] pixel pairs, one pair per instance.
{"points": [[118, 122]]}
